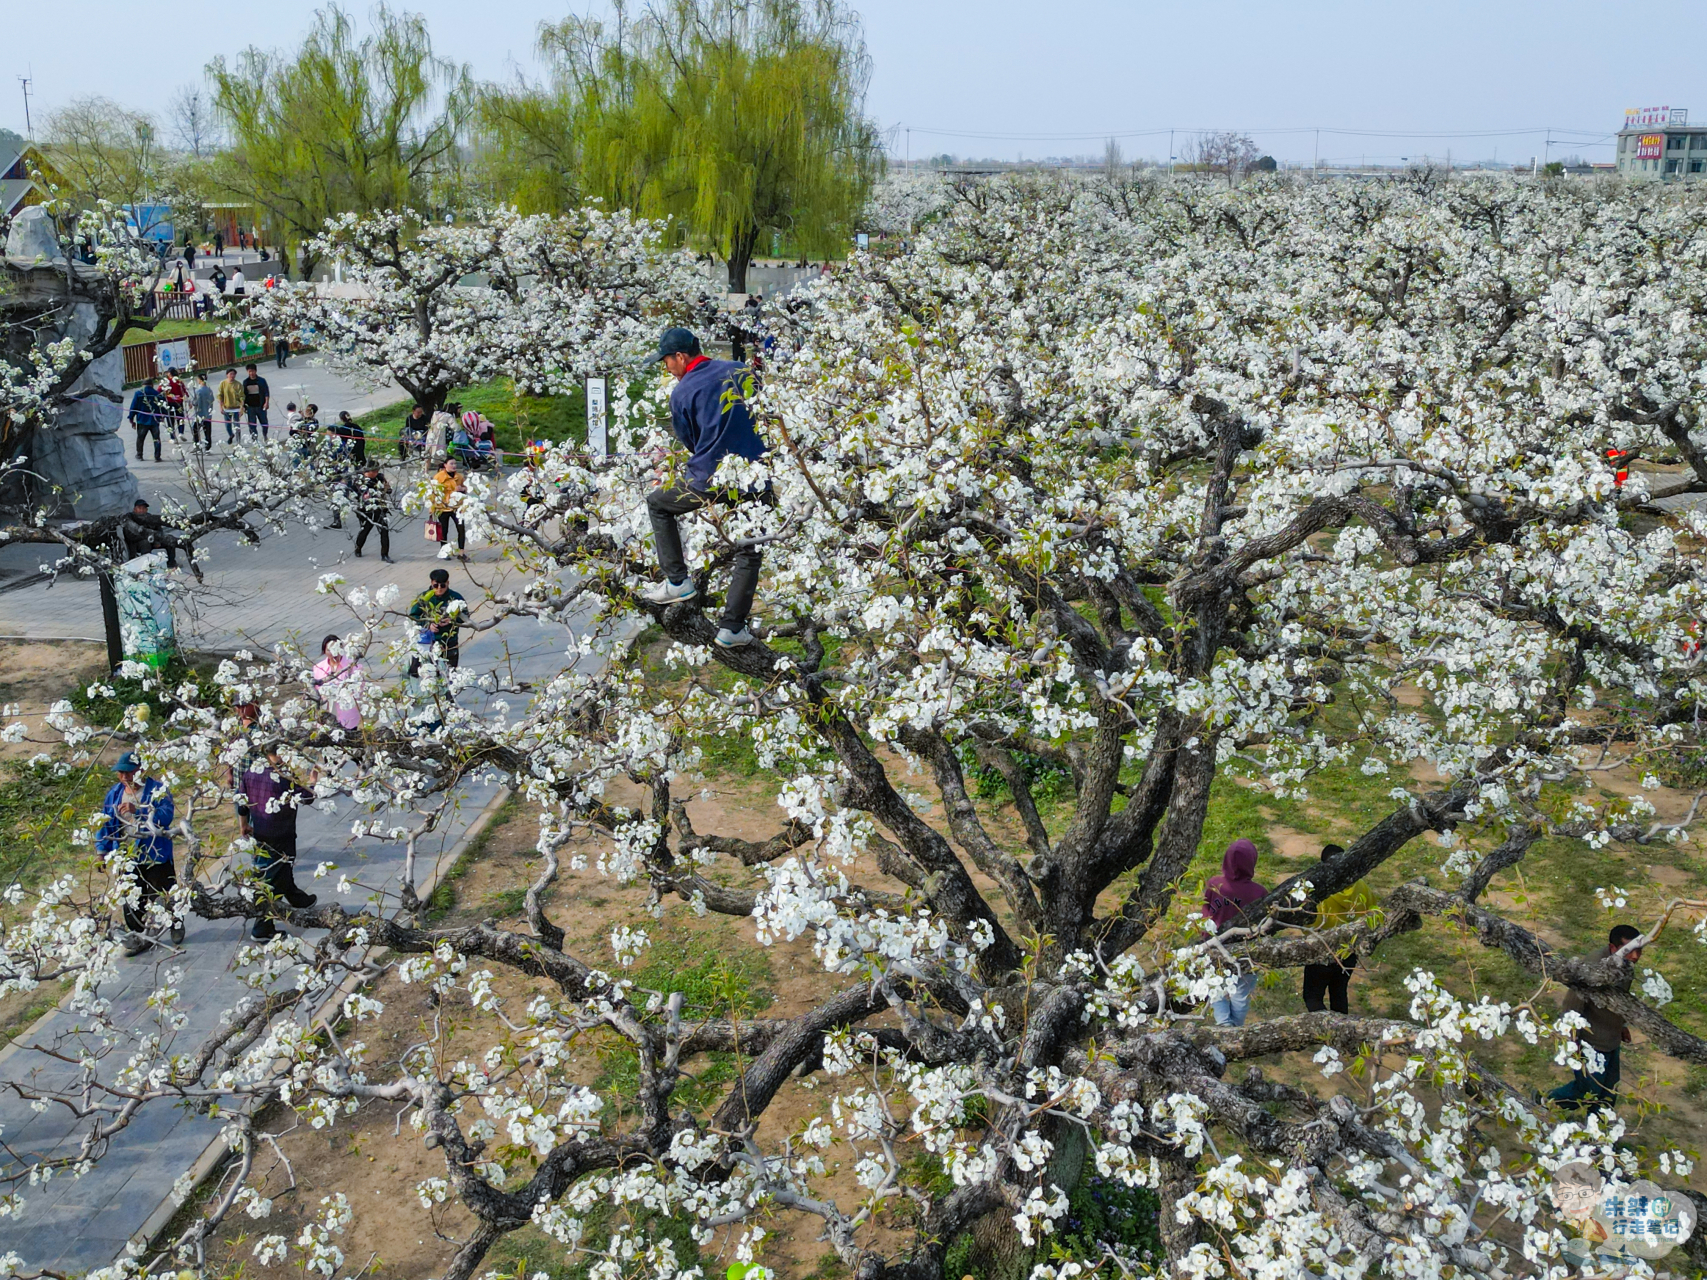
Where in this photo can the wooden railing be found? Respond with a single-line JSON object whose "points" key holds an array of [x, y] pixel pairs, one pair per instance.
{"points": [[208, 350]]}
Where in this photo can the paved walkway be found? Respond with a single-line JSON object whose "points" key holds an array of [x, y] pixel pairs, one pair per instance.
{"points": [[254, 598]]}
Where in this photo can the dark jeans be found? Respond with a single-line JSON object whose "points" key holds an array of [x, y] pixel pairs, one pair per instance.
{"points": [[282, 352], [664, 505], [201, 431], [257, 417], [232, 418], [143, 431], [279, 877], [1329, 981], [155, 879], [444, 519], [1601, 1086], [447, 651], [367, 524]]}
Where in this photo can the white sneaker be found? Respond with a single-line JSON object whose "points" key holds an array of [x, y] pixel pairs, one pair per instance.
{"points": [[667, 592], [727, 639]]}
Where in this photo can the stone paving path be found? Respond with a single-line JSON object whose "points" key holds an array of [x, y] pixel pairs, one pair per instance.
{"points": [[255, 597]]}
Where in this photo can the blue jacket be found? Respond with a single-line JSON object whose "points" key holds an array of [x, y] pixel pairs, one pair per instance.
{"points": [[153, 821], [148, 406], [708, 413]]}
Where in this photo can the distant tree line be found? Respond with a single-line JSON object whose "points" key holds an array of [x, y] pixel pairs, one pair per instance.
{"points": [[741, 123]]}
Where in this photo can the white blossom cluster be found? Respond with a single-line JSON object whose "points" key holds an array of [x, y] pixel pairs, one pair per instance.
{"points": [[1141, 483]]}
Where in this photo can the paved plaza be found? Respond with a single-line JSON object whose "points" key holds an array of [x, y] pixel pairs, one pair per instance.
{"points": [[253, 598]]}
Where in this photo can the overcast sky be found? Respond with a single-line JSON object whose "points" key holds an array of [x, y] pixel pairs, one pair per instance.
{"points": [[1031, 72]]}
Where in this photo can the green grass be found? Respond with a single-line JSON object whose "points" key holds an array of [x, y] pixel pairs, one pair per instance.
{"points": [[716, 982], [529, 1253], [516, 418], [168, 330], [39, 809], [157, 690], [443, 899]]}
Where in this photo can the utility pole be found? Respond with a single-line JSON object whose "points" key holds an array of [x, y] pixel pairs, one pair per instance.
{"points": [[1170, 150], [26, 82], [1316, 160]]}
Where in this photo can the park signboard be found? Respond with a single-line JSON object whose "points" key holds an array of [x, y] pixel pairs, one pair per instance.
{"points": [[598, 422]]}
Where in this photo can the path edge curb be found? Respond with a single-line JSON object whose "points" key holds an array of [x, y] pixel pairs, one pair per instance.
{"points": [[213, 1155]]}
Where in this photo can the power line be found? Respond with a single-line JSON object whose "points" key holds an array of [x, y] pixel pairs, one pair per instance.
{"points": [[1597, 135]]}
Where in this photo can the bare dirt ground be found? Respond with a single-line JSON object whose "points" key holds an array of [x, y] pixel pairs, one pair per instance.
{"points": [[377, 1159]]}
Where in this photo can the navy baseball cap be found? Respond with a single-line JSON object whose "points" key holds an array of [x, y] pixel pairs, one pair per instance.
{"points": [[675, 342], [127, 763]]}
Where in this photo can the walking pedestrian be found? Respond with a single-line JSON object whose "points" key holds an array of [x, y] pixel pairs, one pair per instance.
{"points": [[139, 814], [219, 244], [438, 612], [231, 404], [175, 393], [256, 397], [373, 511], [448, 485], [189, 253], [147, 409], [709, 415], [338, 679], [268, 797], [1224, 899], [281, 350], [1333, 978], [201, 406], [239, 286], [1600, 1041]]}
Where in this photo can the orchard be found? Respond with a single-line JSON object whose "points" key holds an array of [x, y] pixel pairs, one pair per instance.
{"points": [[1157, 487]]}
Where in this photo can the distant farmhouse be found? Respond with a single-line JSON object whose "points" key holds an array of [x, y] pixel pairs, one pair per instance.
{"points": [[1659, 142]]}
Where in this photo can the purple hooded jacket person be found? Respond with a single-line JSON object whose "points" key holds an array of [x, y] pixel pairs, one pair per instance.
{"points": [[1229, 893], [1224, 899]]}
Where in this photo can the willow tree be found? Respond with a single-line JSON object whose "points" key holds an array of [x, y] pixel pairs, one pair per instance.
{"points": [[347, 125], [735, 118]]}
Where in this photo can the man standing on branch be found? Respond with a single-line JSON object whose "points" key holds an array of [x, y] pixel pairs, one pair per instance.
{"points": [[709, 415], [139, 813]]}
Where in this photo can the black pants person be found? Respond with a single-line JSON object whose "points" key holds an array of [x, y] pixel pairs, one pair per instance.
{"points": [[257, 418], [1329, 981], [201, 432], [664, 505], [444, 519], [143, 431], [279, 877], [156, 880], [367, 522]]}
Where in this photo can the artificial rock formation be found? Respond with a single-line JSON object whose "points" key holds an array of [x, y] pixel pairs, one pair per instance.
{"points": [[80, 453]]}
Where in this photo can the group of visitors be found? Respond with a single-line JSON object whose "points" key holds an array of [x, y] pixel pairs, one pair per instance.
{"points": [[1227, 896], [708, 414], [166, 402], [452, 432], [139, 809]]}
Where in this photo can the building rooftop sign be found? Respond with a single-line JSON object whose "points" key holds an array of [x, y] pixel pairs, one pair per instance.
{"points": [[1643, 117]]}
